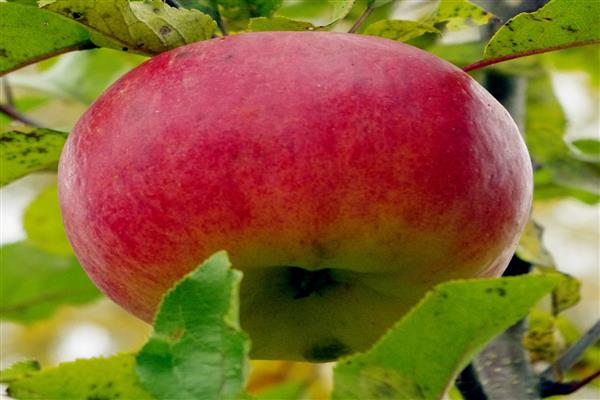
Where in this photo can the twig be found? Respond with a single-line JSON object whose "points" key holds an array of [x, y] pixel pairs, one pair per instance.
{"points": [[362, 17], [572, 355], [8, 94], [17, 116], [549, 388]]}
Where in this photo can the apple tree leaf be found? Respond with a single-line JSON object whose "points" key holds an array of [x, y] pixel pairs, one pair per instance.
{"points": [[81, 76], [35, 283], [336, 11], [450, 324], [28, 34], [399, 30], [197, 334], [19, 370], [458, 14], [262, 24], [147, 27], [43, 223], [559, 24], [587, 149], [545, 124], [531, 248], [95, 378], [28, 151]]}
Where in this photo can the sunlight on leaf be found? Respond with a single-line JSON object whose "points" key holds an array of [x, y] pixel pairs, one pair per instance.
{"points": [[28, 34], [399, 30], [95, 378], [558, 23], [27, 151], [449, 326], [147, 27]]}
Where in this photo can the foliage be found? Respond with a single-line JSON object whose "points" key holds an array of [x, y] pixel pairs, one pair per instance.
{"points": [[197, 349]]}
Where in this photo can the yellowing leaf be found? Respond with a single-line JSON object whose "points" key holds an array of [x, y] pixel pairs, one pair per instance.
{"points": [[96, 378], [28, 151], [147, 27]]}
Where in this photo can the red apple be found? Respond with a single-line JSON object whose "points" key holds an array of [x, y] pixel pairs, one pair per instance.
{"points": [[344, 174]]}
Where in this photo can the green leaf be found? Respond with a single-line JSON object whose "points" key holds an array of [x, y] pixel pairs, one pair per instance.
{"points": [[337, 10], [587, 149], [35, 283], [560, 23], [567, 294], [459, 54], [96, 378], [422, 354], [25, 152], [81, 76], [20, 370], [399, 30], [147, 27], [531, 248], [458, 14], [43, 223], [28, 34], [262, 24], [544, 129], [197, 334], [539, 340]]}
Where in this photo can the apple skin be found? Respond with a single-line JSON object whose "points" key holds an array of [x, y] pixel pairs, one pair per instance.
{"points": [[344, 174]]}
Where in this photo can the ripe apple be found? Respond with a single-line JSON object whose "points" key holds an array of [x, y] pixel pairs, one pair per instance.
{"points": [[344, 174]]}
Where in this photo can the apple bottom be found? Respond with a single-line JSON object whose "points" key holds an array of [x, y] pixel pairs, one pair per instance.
{"points": [[319, 315]]}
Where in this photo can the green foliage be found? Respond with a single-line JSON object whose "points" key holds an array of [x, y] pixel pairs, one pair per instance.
{"points": [[558, 23], [26, 152], [450, 14], [197, 334], [80, 76], [587, 149], [146, 27], [28, 33], [35, 283], [278, 24], [97, 378], [458, 14], [531, 247], [544, 129], [336, 11], [399, 30], [43, 223], [449, 325], [292, 390], [20, 370]]}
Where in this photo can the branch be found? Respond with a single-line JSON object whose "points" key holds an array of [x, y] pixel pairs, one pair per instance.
{"points": [[87, 45], [17, 116], [572, 355], [491, 61], [549, 388], [362, 17]]}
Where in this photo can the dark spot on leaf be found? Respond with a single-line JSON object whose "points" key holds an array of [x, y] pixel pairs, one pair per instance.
{"points": [[385, 391], [156, 10], [93, 386], [3, 53], [547, 19], [569, 28], [327, 349], [76, 15], [164, 30], [125, 49], [108, 384]]}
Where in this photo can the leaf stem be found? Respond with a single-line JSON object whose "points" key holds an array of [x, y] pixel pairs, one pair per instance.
{"points": [[491, 61], [362, 17], [17, 116], [549, 388]]}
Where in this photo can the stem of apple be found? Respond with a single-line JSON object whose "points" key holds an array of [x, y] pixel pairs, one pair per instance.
{"points": [[362, 17]]}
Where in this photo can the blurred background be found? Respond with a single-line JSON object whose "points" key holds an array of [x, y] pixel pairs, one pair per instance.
{"points": [[56, 92]]}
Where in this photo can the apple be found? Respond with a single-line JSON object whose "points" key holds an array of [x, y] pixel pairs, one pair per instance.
{"points": [[344, 174]]}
